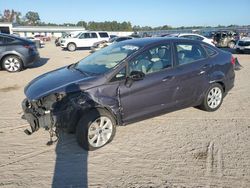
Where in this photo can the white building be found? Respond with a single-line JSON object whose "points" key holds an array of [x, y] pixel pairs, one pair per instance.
{"points": [[51, 31], [28, 31]]}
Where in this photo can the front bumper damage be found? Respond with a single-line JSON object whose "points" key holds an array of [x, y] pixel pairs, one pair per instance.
{"points": [[61, 111]]}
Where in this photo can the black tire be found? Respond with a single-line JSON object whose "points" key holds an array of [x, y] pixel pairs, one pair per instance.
{"points": [[231, 44], [71, 47], [205, 104], [12, 63], [82, 129]]}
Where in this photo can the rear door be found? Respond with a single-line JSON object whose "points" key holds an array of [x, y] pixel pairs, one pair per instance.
{"points": [[192, 66]]}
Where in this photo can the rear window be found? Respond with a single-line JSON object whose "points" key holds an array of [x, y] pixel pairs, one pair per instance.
{"points": [[104, 35], [210, 51]]}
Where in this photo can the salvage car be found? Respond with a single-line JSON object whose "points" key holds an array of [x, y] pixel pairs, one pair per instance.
{"points": [[193, 36], [127, 82], [16, 53], [243, 45], [99, 45], [224, 39]]}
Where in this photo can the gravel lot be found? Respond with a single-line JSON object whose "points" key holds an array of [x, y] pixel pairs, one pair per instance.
{"points": [[187, 148]]}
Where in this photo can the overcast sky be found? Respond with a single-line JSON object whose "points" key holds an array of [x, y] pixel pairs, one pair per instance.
{"points": [[138, 12]]}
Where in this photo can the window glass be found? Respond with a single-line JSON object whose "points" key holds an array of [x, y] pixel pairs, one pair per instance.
{"points": [[188, 53], [93, 35], [104, 35], [121, 75], [152, 60], [106, 58], [1, 40], [9, 40], [210, 51]]}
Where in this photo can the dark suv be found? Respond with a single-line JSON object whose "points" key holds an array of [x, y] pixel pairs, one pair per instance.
{"points": [[16, 53], [127, 82]]}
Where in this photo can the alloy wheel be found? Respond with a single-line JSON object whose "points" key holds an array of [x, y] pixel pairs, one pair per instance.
{"points": [[100, 131]]}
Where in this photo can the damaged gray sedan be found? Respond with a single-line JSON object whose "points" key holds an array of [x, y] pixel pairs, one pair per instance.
{"points": [[128, 82]]}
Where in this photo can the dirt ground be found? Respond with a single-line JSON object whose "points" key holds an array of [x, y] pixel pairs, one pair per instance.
{"points": [[187, 148]]}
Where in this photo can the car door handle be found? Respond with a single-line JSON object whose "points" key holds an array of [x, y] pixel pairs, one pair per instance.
{"points": [[168, 78], [201, 72], [206, 66]]}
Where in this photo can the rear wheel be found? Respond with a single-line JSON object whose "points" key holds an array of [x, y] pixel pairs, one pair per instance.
{"points": [[71, 47], [95, 129], [12, 63], [213, 98]]}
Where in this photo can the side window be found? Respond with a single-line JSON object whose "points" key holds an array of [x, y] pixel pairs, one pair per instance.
{"points": [[152, 60], [104, 35], [198, 38], [187, 37], [85, 36], [210, 51], [121, 75], [9, 40], [2, 40], [188, 53], [93, 35]]}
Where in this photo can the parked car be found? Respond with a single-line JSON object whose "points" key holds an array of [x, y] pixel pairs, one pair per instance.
{"points": [[39, 43], [16, 53], [84, 39], [226, 39], [99, 45], [73, 34], [127, 82], [243, 45], [193, 37], [42, 37]]}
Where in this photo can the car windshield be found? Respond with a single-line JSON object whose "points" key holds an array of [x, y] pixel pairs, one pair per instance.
{"points": [[77, 35], [106, 59]]}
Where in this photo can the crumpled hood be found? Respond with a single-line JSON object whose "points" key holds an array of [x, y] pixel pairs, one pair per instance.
{"points": [[54, 81]]}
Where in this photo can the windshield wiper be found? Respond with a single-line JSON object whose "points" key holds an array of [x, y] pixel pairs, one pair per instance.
{"points": [[73, 66]]}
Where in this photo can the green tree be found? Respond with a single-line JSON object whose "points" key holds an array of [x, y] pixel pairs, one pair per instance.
{"points": [[32, 18], [82, 24]]}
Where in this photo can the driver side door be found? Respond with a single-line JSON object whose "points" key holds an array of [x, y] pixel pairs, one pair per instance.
{"points": [[152, 94]]}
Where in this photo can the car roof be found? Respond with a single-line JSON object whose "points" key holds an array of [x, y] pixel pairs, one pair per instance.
{"points": [[154, 40], [15, 37]]}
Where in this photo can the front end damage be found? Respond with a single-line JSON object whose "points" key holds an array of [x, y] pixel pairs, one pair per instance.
{"points": [[62, 111]]}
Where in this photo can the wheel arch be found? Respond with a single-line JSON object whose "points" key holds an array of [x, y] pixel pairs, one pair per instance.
{"points": [[10, 54], [71, 43]]}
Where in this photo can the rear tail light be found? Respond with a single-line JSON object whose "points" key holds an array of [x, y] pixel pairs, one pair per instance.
{"points": [[30, 47], [232, 60]]}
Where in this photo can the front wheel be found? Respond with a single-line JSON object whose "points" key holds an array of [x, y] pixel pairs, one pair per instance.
{"points": [[71, 47], [95, 129], [213, 98]]}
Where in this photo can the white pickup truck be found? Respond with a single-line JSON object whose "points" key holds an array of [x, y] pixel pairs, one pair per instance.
{"points": [[84, 39]]}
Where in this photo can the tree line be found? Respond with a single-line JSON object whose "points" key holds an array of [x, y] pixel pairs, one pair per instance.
{"points": [[33, 19]]}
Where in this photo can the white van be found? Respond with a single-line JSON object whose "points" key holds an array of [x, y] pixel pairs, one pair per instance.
{"points": [[84, 39]]}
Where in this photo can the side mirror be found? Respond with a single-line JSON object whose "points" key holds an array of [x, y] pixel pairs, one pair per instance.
{"points": [[136, 75]]}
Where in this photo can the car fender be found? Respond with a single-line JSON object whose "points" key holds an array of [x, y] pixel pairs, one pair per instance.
{"points": [[4, 54], [217, 76]]}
